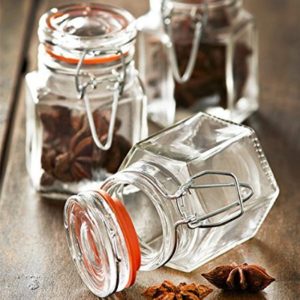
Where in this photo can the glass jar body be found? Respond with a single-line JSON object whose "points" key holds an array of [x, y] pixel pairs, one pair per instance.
{"points": [[180, 198], [61, 154], [154, 69], [174, 156], [224, 79]]}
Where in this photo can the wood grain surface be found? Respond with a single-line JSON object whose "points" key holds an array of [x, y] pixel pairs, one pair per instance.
{"points": [[34, 259], [14, 26]]}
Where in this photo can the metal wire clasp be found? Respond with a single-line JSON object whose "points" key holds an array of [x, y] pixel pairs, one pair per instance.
{"points": [[118, 81], [195, 221], [199, 19]]}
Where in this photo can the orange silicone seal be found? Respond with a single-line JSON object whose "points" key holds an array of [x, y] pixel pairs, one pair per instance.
{"points": [[86, 61], [129, 233]]}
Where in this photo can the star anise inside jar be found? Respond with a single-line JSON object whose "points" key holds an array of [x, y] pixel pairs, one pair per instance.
{"points": [[242, 277], [169, 291], [69, 153], [207, 86]]}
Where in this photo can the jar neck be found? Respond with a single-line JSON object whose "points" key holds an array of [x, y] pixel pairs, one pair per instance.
{"points": [[140, 188], [59, 75], [67, 63], [220, 13]]}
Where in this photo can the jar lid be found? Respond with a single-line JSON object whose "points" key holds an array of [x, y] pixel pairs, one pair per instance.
{"points": [[103, 242], [97, 28]]}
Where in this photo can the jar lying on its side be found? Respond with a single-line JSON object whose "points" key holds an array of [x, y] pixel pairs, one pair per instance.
{"points": [[85, 104], [181, 198]]}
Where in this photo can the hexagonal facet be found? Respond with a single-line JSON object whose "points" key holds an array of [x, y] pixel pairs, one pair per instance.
{"points": [[204, 143]]}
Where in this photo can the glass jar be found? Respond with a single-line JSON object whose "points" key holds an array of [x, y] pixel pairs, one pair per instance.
{"points": [[153, 66], [210, 47], [85, 103], [181, 197]]}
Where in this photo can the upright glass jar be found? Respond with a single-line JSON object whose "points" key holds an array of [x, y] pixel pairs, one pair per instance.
{"points": [[85, 104], [210, 47], [154, 68], [181, 198]]}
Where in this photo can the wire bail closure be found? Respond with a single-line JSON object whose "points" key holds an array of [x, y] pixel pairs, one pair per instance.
{"points": [[199, 19], [118, 81], [194, 221], [197, 222]]}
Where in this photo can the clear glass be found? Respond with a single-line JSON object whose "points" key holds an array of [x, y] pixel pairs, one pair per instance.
{"points": [[62, 157], [154, 67], [224, 80], [94, 243], [172, 217], [203, 143]]}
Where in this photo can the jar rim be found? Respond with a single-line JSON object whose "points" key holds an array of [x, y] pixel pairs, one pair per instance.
{"points": [[75, 28], [129, 233], [102, 240], [136, 179]]}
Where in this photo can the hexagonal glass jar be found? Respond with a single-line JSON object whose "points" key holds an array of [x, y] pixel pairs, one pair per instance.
{"points": [[186, 195], [85, 104]]}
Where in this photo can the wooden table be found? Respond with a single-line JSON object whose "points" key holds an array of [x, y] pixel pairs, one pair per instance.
{"points": [[34, 259]]}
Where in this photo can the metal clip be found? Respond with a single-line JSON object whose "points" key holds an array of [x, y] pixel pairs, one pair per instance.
{"points": [[197, 222], [119, 83], [200, 21], [193, 221]]}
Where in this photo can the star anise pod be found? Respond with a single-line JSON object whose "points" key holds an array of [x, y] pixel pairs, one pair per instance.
{"points": [[169, 291], [78, 161], [72, 165], [56, 120], [242, 277], [112, 158], [69, 152]]}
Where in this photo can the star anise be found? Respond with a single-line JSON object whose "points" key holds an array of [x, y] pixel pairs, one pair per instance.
{"points": [[56, 120], [72, 165], [81, 159], [169, 291], [242, 277], [69, 152]]}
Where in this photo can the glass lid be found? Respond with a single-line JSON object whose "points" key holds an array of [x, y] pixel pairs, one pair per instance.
{"points": [[87, 26], [102, 241]]}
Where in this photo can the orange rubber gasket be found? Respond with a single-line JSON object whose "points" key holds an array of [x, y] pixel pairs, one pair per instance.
{"points": [[129, 233], [86, 61]]}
